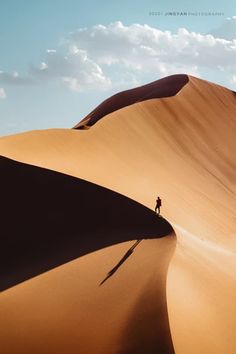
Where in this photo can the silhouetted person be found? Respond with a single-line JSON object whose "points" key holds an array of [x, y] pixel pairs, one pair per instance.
{"points": [[158, 205]]}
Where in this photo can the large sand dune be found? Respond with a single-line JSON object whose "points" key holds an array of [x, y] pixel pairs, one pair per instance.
{"points": [[58, 218], [181, 148]]}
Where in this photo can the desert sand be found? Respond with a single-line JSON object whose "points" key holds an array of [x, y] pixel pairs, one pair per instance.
{"points": [[176, 292]]}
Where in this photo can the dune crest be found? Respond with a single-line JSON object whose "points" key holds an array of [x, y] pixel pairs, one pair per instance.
{"points": [[180, 147], [165, 87], [70, 217], [155, 146]]}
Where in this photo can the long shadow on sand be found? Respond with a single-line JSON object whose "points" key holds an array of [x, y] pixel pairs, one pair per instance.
{"points": [[122, 260], [49, 218]]}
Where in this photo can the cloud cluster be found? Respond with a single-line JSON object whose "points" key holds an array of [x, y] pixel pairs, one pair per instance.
{"points": [[102, 56], [76, 69], [143, 49]]}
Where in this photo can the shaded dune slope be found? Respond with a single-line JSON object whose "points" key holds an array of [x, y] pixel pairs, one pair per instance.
{"points": [[182, 148], [66, 311], [50, 218], [165, 87], [179, 147]]}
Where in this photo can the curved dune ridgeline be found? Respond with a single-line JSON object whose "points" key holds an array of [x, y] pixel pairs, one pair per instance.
{"points": [[50, 218], [166, 87], [179, 146]]}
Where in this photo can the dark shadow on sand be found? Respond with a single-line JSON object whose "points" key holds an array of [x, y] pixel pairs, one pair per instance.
{"points": [[147, 329], [123, 259], [49, 218], [165, 87]]}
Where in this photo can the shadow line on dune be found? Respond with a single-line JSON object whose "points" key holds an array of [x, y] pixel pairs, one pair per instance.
{"points": [[121, 261], [147, 330], [165, 87], [49, 218]]}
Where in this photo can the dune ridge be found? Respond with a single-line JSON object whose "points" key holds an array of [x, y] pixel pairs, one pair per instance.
{"points": [[178, 147], [184, 134], [70, 218], [165, 87]]}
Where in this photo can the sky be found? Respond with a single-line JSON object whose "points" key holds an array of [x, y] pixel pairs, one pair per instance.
{"points": [[60, 58]]}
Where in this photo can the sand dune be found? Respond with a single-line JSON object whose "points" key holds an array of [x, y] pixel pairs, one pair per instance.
{"points": [[58, 218], [178, 147], [166, 87], [182, 148], [66, 311]]}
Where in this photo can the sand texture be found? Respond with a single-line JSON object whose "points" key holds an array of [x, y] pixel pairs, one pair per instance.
{"points": [[74, 202]]}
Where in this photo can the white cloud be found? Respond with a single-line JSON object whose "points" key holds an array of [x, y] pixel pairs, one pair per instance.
{"points": [[112, 55], [233, 79], [43, 66], [75, 69], [51, 51], [2, 94], [148, 49]]}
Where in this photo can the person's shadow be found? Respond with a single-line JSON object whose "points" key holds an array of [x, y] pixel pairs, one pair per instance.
{"points": [[119, 264], [49, 218]]}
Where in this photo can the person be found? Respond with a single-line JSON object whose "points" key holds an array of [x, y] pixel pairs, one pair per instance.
{"points": [[158, 205]]}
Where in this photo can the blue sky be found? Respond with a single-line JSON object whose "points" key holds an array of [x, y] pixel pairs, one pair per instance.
{"points": [[60, 58]]}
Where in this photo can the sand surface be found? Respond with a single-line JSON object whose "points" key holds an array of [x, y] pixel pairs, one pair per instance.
{"points": [[165, 87], [66, 311], [181, 148]]}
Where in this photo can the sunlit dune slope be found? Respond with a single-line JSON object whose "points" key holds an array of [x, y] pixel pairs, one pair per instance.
{"points": [[109, 301], [65, 311], [166, 87], [181, 148]]}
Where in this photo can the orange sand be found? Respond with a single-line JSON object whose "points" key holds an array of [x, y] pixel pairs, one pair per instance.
{"points": [[181, 148]]}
